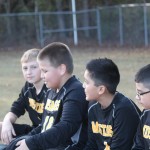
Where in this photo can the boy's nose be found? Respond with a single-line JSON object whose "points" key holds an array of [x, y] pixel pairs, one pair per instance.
{"points": [[29, 71]]}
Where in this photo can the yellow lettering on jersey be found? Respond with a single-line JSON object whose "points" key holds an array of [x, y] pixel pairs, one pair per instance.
{"points": [[146, 131], [107, 147], [52, 105], [95, 127], [105, 130], [109, 132], [36, 106]]}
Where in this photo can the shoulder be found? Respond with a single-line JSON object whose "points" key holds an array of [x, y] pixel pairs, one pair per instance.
{"points": [[74, 87], [93, 107], [125, 105], [145, 114], [28, 85], [74, 83], [122, 101], [27, 88]]}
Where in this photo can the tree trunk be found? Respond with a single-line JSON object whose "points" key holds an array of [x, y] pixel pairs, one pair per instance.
{"points": [[8, 23], [86, 18], [60, 18]]}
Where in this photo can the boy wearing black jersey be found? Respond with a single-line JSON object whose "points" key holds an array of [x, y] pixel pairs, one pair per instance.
{"points": [[114, 118], [64, 122], [142, 81], [31, 99]]}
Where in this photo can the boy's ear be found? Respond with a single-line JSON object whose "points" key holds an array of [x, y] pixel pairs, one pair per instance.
{"points": [[62, 69], [101, 89]]}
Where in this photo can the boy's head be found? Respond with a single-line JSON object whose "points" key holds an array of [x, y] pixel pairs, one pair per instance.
{"points": [[100, 73], [142, 80], [56, 62], [30, 67]]}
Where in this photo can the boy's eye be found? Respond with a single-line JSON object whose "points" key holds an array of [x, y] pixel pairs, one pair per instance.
{"points": [[24, 68], [33, 67], [44, 71]]}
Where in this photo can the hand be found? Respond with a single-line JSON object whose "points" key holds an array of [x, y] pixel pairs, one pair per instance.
{"points": [[21, 145], [7, 132]]}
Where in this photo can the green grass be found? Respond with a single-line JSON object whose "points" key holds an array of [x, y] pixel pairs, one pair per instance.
{"points": [[128, 61]]}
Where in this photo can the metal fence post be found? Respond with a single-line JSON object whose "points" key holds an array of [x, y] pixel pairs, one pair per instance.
{"points": [[145, 25], [121, 26], [41, 29], [75, 32], [98, 26]]}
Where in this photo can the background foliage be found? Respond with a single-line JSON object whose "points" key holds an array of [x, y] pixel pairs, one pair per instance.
{"points": [[15, 6]]}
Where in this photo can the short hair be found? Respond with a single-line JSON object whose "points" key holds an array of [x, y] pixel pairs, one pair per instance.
{"points": [[30, 55], [58, 53], [104, 71], [143, 76]]}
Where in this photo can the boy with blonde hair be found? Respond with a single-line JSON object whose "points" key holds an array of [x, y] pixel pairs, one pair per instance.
{"points": [[30, 100]]}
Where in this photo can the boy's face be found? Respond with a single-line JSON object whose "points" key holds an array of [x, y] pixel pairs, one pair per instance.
{"points": [[91, 91], [50, 74], [31, 71], [142, 97]]}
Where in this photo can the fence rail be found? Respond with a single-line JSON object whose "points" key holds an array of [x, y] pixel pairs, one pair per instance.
{"points": [[121, 25]]}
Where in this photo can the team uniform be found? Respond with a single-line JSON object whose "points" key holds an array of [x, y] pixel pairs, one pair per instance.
{"points": [[32, 103], [113, 128], [142, 138], [64, 122]]}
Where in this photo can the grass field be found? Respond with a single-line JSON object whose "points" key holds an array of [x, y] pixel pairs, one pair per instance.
{"points": [[128, 61]]}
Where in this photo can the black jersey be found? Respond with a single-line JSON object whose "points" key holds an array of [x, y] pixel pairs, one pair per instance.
{"points": [[142, 138], [113, 128], [64, 121], [31, 102]]}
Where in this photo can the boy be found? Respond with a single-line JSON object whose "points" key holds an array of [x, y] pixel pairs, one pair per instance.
{"points": [[30, 99], [142, 80], [64, 122], [113, 119]]}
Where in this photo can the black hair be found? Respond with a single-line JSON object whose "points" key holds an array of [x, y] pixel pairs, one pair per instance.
{"points": [[143, 76], [58, 53], [105, 72]]}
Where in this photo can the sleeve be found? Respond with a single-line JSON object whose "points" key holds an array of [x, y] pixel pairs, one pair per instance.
{"points": [[91, 143], [125, 125], [138, 139], [69, 123], [18, 106], [35, 130]]}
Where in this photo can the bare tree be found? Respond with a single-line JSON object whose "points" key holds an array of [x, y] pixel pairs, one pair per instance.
{"points": [[86, 17], [61, 22]]}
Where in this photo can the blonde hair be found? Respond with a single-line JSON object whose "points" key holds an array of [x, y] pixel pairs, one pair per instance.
{"points": [[30, 55]]}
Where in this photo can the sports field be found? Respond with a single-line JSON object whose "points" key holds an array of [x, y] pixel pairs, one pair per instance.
{"points": [[129, 60]]}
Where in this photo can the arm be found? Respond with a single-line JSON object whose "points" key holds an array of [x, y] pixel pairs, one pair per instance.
{"points": [[19, 106], [8, 132], [138, 139], [17, 109], [69, 123], [124, 128], [35, 130]]}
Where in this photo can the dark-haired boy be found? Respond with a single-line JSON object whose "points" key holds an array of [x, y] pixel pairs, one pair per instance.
{"points": [[64, 124], [114, 118], [142, 80]]}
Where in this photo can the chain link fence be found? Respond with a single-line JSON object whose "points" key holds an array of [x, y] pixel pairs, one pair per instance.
{"points": [[116, 25]]}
